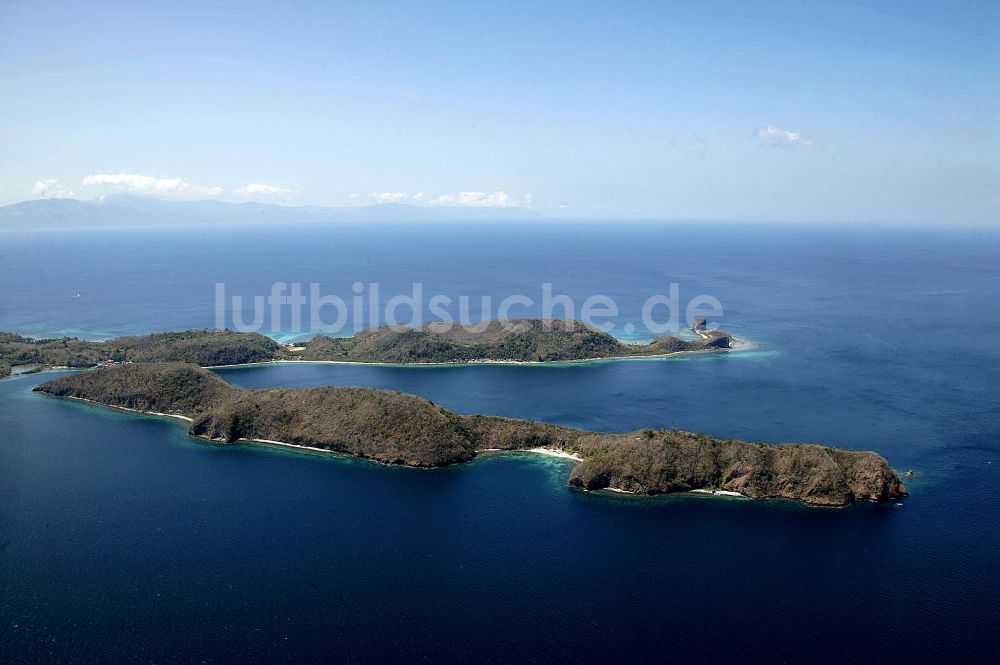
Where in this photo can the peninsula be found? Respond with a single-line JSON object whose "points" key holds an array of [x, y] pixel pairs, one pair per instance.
{"points": [[397, 428], [201, 347], [518, 340]]}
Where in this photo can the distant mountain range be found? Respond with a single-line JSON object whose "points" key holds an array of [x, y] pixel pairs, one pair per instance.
{"points": [[131, 211]]}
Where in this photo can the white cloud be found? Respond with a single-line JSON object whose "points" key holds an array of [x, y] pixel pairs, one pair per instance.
{"points": [[777, 136], [499, 199], [149, 185], [50, 188], [390, 197], [261, 189]]}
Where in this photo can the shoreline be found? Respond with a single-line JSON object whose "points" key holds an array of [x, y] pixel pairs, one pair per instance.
{"points": [[176, 416], [741, 346], [558, 453], [737, 345], [548, 452], [477, 363], [726, 494], [297, 447]]}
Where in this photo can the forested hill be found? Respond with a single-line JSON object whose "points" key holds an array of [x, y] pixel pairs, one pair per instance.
{"points": [[516, 340], [201, 347]]}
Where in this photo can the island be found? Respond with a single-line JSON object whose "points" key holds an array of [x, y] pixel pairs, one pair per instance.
{"points": [[516, 340], [397, 428], [202, 347]]}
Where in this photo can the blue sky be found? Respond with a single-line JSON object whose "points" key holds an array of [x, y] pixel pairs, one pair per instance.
{"points": [[867, 111]]}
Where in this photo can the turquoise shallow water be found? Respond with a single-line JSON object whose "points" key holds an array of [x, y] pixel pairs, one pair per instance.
{"points": [[123, 540]]}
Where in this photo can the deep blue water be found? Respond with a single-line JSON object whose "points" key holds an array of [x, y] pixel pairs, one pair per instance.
{"points": [[121, 540]]}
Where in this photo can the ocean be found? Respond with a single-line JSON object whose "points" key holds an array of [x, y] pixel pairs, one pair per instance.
{"points": [[123, 540]]}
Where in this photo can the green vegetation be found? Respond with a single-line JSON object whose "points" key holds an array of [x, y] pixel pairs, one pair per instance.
{"points": [[172, 388], [201, 347], [396, 428], [520, 340], [389, 427]]}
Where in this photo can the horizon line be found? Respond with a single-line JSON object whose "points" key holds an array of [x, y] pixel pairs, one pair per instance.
{"points": [[518, 215]]}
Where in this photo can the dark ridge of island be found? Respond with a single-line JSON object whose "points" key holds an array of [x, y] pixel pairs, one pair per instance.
{"points": [[397, 428], [520, 340], [514, 340]]}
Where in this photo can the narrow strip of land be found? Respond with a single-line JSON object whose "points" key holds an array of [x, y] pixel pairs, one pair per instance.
{"points": [[521, 341]]}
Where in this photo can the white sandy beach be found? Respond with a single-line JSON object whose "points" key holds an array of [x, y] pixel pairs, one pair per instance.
{"points": [[549, 452], [555, 452], [294, 446], [125, 408], [725, 493], [718, 493]]}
